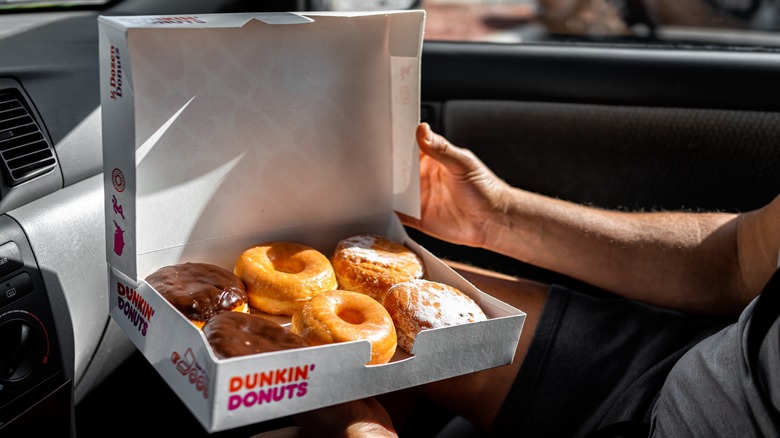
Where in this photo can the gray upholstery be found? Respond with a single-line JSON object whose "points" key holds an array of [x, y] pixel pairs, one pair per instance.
{"points": [[625, 157], [631, 158]]}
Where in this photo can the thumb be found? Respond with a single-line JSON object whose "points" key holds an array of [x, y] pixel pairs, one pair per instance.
{"points": [[456, 160]]}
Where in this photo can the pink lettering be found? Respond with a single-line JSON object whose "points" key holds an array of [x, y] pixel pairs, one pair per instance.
{"points": [[269, 386]]}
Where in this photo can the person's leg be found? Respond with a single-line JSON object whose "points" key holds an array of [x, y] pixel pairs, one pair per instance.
{"points": [[478, 396]]}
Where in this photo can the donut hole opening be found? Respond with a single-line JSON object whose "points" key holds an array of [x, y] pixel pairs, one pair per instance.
{"points": [[351, 316], [288, 266]]}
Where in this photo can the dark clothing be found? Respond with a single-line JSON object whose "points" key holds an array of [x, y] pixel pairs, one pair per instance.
{"points": [[596, 366], [729, 384]]}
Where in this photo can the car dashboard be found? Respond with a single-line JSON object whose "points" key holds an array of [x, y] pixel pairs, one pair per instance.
{"points": [[56, 339]]}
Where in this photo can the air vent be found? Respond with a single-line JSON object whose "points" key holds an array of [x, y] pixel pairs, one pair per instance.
{"points": [[25, 151]]}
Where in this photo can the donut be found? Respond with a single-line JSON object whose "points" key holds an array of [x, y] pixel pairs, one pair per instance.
{"points": [[232, 334], [370, 264], [343, 316], [281, 276], [200, 290], [418, 305]]}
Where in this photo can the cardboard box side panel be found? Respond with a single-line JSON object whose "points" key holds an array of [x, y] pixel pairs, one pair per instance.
{"points": [[238, 139], [406, 164], [299, 380], [149, 321], [405, 49], [190, 371], [117, 102], [454, 351], [479, 336], [404, 46], [287, 382]]}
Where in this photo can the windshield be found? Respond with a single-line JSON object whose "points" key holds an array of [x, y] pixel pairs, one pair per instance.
{"points": [[752, 23], [33, 4]]}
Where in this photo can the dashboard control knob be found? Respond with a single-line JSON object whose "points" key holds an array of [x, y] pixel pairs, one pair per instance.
{"points": [[19, 350]]}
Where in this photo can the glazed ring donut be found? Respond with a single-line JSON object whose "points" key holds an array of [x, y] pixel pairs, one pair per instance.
{"points": [[232, 334], [200, 290], [281, 276], [418, 305], [370, 264], [343, 316]]}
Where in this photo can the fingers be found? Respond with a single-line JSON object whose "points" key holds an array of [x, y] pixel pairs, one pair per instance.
{"points": [[456, 160], [358, 418], [287, 432], [409, 220]]}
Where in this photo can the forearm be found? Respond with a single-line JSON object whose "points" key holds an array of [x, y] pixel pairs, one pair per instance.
{"points": [[675, 260]]}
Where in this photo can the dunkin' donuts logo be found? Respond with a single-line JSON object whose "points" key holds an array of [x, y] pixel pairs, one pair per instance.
{"points": [[115, 79], [135, 308], [268, 386]]}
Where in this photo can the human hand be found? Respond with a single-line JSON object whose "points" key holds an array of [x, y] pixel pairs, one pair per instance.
{"points": [[359, 418], [460, 195]]}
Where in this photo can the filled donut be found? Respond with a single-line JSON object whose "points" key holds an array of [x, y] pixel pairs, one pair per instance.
{"points": [[342, 316], [418, 305], [370, 264], [200, 290], [240, 334], [281, 276]]}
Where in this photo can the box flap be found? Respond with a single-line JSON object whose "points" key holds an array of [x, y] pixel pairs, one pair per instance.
{"points": [[204, 20], [240, 127]]}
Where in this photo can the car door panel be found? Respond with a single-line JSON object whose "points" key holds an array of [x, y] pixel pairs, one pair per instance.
{"points": [[611, 127]]}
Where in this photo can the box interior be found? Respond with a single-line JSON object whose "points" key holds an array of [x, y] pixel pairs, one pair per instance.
{"points": [[265, 127]]}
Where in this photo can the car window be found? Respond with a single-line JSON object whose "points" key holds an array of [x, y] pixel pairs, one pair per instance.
{"points": [[6, 5], [714, 23]]}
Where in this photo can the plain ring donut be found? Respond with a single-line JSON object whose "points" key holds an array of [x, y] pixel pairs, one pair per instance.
{"points": [[281, 276], [343, 316]]}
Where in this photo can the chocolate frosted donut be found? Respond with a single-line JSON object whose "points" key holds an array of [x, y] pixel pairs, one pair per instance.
{"points": [[233, 334], [200, 290]]}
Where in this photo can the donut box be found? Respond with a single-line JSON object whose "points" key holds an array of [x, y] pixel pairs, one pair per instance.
{"points": [[224, 131]]}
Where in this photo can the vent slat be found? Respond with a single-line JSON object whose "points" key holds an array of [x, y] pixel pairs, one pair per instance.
{"points": [[33, 169], [24, 150], [9, 147]]}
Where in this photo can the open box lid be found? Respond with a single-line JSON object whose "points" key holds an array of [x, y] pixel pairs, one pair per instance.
{"points": [[219, 126]]}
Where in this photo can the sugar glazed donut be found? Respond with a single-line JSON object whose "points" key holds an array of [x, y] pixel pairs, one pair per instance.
{"points": [[232, 334], [343, 316], [281, 276], [370, 264], [418, 305], [200, 290]]}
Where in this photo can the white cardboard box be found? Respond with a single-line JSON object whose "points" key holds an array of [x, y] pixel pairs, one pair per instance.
{"points": [[224, 131]]}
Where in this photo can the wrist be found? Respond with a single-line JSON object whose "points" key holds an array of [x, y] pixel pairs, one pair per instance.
{"points": [[512, 228]]}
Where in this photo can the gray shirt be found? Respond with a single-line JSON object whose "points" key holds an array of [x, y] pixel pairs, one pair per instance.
{"points": [[718, 389]]}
